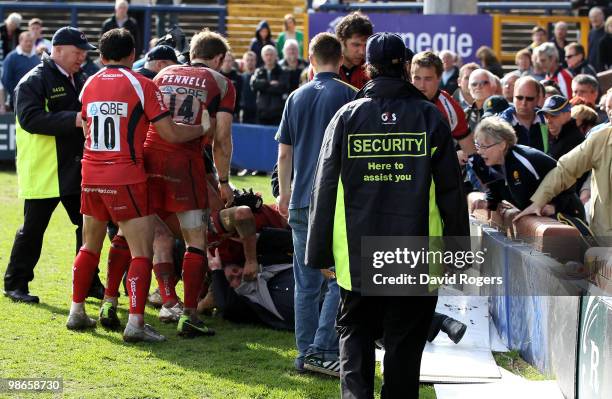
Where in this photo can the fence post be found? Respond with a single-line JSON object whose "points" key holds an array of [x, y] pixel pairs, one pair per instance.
{"points": [[497, 47], [147, 29], [74, 17]]}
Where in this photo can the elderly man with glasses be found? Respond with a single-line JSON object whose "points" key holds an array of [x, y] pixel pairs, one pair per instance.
{"points": [[530, 128], [482, 85]]}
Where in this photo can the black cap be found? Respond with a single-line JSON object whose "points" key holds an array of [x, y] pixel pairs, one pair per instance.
{"points": [[69, 36], [162, 52], [385, 49], [494, 105]]}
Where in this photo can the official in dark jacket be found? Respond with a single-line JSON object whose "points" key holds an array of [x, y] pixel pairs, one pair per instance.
{"points": [[387, 168], [271, 83], [49, 150], [521, 168]]}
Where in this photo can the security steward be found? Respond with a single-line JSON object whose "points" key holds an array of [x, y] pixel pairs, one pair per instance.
{"points": [[351, 200], [49, 150]]}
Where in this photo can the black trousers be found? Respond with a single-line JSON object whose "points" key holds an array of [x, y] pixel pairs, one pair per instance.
{"points": [[402, 322], [29, 237]]}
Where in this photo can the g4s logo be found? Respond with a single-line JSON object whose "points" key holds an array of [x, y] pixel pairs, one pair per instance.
{"points": [[388, 117]]}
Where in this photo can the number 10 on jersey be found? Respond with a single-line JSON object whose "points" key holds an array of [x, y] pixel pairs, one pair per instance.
{"points": [[105, 128]]}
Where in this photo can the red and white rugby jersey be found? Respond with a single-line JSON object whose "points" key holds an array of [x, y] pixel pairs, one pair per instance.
{"points": [[563, 78], [187, 91], [118, 105], [453, 113]]}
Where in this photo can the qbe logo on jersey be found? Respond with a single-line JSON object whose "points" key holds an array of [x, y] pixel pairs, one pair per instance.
{"points": [[105, 128]]}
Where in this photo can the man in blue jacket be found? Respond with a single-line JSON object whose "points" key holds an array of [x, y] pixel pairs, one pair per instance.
{"points": [[18, 63]]}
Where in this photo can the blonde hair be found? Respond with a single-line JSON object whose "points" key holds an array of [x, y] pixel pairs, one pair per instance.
{"points": [[584, 112], [497, 129]]}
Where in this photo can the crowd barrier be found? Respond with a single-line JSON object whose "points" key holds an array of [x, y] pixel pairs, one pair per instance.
{"points": [[254, 147], [569, 337]]}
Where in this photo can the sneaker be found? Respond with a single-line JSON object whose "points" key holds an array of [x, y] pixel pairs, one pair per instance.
{"points": [[188, 328], [108, 316], [454, 329], [146, 334], [317, 363], [171, 315], [155, 299], [299, 365], [79, 321]]}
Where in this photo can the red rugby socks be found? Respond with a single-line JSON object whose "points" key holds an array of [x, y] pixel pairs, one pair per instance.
{"points": [[119, 258], [195, 266], [166, 279], [138, 283], [85, 265]]}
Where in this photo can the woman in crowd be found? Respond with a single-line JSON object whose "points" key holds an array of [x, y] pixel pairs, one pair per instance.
{"points": [[522, 169], [489, 61], [290, 32]]}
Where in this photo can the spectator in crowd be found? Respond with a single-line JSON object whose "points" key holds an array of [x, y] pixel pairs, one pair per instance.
{"points": [[586, 118], [305, 118], [462, 94], [547, 57], [550, 89], [605, 48], [353, 32], [587, 87], [559, 39], [49, 151], [593, 155], [426, 72], [157, 59], [597, 18], [523, 62], [537, 72], [121, 19], [494, 105], [248, 98], [523, 168], [292, 63], [489, 61], [17, 63], [450, 74], [271, 84], [42, 45], [507, 84], [538, 37], [228, 69], [564, 135], [9, 34], [576, 62], [482, 86], [290, 32], [529, 127], [263, 37], [90, 67]]}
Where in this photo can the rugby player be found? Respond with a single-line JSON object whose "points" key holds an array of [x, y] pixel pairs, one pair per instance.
{"points": [[177, 175], [118, 106]]}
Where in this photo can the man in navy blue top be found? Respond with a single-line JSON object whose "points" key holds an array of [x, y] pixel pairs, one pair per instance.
{"points": [[306, 115]]}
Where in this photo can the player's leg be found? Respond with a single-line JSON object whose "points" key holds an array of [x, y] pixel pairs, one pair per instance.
{"points": [[163, 266], [139, 233], [195, 267], [119, 258], [85, 265]]}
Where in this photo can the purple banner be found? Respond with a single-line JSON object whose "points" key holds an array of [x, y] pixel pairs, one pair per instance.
{"points": [[462, 34]]}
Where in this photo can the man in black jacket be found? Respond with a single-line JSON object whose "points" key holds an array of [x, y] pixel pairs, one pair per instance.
{"points": [[121, 19], [271, 83], [387, 168], [49, 150], [564, 134]]}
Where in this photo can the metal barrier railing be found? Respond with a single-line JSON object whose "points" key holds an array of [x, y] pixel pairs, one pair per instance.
{"points": [[483, 6], [220, 9], [499, 20]]}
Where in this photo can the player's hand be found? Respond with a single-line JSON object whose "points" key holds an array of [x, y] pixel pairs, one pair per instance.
{"points": [[585, 196], [205, 122], [250, 271], [78, 121], [227, 194], [328, 274], [532, 209], [214, 261], [283, 205], [548, 210]]}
